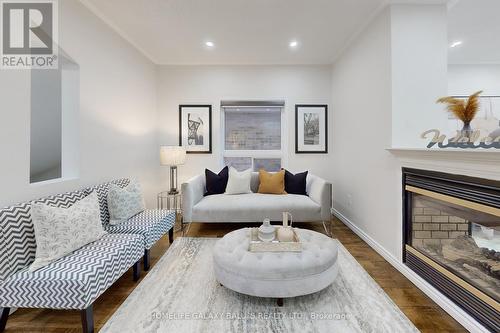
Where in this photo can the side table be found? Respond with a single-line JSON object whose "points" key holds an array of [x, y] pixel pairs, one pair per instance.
{"points": [[165, 200]]}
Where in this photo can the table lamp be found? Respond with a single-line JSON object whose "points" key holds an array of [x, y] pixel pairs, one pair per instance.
{"points": [[172, 156]]}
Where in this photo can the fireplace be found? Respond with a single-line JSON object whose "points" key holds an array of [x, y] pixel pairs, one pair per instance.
{"points": [[451, 238]]}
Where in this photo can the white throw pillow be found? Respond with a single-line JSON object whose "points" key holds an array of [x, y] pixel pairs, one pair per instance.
{"points": [[123, 203], [60, 231], [239, 182]]}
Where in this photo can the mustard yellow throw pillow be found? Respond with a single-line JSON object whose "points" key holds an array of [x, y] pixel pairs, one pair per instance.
{"points": [[272, 183]]}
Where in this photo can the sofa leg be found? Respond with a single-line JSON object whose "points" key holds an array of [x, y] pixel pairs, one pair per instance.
{"points": [[87, 316], [4, 312], [280, 302], [171, 235], [137, 270], [328, 231], [146, 260]]}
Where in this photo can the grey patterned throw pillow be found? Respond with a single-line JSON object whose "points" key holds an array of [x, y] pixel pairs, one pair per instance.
{"points": [[60, 231], [123, 203]]}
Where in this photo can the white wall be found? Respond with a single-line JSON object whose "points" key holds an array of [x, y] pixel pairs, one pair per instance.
{"points": [[467, 79], [419, 49], [46, 119], [367, 179], [211, 84], [464, 80], [384, 90], [118, 136]]}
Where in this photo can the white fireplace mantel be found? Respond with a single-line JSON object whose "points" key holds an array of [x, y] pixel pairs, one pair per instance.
{"points": [[480, 163]]}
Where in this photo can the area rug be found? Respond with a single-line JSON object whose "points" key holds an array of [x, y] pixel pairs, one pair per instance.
{"points": [[180, 294]]}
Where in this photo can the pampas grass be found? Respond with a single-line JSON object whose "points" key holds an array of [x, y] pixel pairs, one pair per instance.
{"points": [[463, 110]]}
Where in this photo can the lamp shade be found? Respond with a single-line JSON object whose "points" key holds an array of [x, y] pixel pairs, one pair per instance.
{"points": [[172, 155]]}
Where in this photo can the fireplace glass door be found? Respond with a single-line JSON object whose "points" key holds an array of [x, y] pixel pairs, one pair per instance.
{"points": [[461, 236]]}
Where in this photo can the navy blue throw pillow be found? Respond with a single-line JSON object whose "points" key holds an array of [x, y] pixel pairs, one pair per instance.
{"points": [[295, 184], [216, 183]]}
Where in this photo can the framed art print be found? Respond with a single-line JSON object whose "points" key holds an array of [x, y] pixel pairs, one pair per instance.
{"points": [[195, 128], [311, 129]]}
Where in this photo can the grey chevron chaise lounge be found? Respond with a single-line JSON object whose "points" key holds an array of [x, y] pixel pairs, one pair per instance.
{"points": [[152, 224], [75, 281]]}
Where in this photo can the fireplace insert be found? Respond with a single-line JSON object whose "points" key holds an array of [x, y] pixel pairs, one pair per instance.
{"points": [[451, 238]]}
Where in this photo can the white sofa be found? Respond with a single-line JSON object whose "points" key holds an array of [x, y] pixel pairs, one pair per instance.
{"points": [[255, 207]]}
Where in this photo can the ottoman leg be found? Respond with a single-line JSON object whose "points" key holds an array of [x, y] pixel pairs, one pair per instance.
{"points": [[280, 302]]}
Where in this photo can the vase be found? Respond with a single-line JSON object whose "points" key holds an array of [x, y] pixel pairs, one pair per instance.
{"points": [[266, 231], [467, 131], [285, 234]]}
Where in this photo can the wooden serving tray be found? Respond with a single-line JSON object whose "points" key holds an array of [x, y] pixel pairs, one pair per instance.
{"points": [[256, 245]]}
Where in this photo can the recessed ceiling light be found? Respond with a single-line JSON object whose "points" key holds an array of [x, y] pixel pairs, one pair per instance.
{"points": [[293, 44], [209, 44], [456, 43]]}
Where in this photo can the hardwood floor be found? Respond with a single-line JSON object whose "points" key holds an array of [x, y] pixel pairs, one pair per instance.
{"points": [[421, 310]]}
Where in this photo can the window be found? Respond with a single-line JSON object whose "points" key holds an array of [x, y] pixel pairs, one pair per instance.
{"points": [[253, 135]]}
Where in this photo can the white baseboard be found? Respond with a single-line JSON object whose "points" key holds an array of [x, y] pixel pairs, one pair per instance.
{"points": [[453, 310]]}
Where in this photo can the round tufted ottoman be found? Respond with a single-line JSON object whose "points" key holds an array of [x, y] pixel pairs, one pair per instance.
{"points": [[275, 274]]}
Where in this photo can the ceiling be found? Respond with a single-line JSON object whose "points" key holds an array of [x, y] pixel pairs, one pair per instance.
{"points": [[244, 31], [259, 31], [476, 23]]}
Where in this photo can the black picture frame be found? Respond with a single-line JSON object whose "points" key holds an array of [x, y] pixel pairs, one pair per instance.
{"points": [[299, 106], [201, 106]]}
